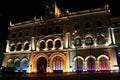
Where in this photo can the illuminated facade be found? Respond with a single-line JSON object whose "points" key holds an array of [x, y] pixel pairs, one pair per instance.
{"points": [[77, 41]]}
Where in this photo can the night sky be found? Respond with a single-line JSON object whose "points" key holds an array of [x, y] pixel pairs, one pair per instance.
{"points": [[21, 10]]}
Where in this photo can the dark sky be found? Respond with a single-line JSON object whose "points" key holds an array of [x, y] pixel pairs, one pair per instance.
{"points": [[21, 10]]}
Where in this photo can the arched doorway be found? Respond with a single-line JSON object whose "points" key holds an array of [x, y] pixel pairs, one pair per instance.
{"points": [[41, 65], [24, 64], [103, 64], [90, 64], [57, 64], [79, 65], [17, 65], [10, 63]]}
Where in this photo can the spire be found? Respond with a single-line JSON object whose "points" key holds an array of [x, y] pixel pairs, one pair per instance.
{"points": [[57, 10]]}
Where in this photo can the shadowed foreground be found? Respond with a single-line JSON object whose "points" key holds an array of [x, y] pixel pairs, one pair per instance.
{"points": [[63, 76]]}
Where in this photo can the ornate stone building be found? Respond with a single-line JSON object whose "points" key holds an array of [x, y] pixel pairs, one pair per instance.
{"points": [[56, 42]]}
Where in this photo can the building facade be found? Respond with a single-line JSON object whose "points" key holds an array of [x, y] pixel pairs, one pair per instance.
{"points": [[55, 42]]}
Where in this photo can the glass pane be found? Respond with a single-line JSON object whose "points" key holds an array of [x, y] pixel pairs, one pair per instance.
{"points": [[78, 42], [17, 65], [24, 64], [100, 40], [89, 41]]}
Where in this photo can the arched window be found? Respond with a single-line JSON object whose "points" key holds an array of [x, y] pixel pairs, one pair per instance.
{"points": [[50, 44], [20, 34], [42, 45], [10, 63], [101, 39], [58, 44], [19, 47], [27, 33], [78, 42], [14, 35], [24, 64], [17, 64], [58, 63], [89, 41], [26, 46], [12, 48]]}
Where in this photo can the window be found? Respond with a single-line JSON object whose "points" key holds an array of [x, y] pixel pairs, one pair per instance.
{"points": [[27, 33], [26, 46], [20, 34], [17, 65], [50, 44], [42, 45], [58, 44], [101, 39], [13, 35], [12, 48], [89, 41], [24, 64], [78, 42], [19, 47], [10, 63]]}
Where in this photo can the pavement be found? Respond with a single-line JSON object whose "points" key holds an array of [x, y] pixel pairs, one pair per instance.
{"points": [[63, 76]]}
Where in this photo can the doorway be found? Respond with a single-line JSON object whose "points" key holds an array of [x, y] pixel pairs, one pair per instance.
{"points": [[41, 65]]}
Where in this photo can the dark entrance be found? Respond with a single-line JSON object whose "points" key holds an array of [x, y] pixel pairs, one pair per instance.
{"points": [[41, 65]]}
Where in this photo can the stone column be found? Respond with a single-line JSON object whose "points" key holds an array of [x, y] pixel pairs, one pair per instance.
{"points": [[7, 46]]}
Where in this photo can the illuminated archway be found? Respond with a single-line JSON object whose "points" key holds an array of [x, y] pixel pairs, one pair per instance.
{"points": [[78, 63], [10, 63], [60, 59], [24, 64], [57, 64], [36, 60], [103, 61], [91, 66], [41, 65], [17, 64]]}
